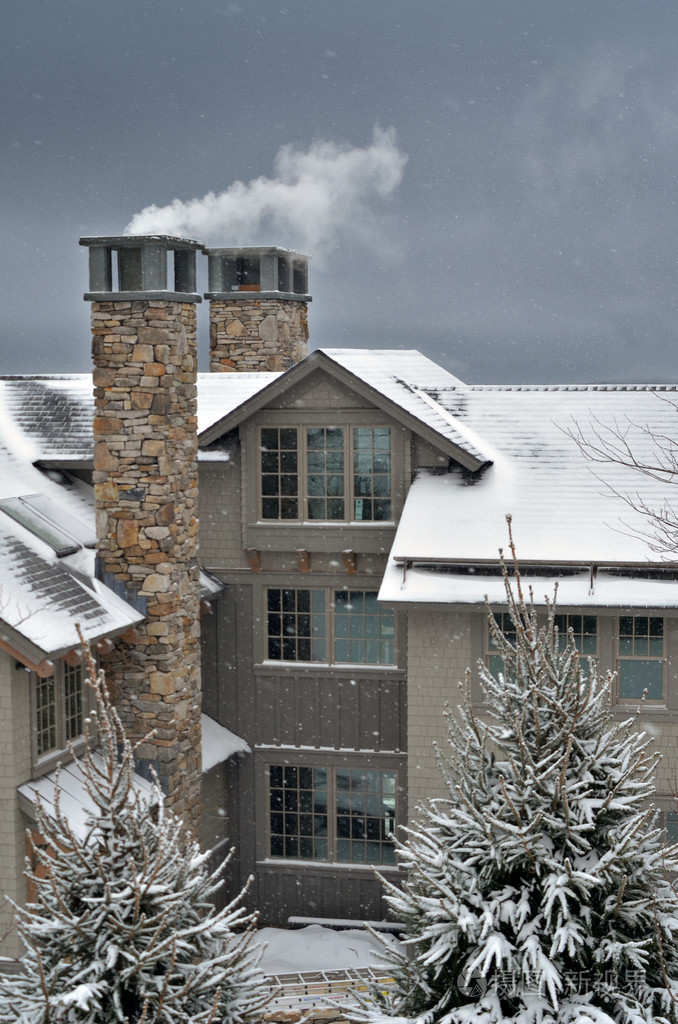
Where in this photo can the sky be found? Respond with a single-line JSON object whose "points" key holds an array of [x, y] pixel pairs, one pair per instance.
{"points": [[492, 183]]}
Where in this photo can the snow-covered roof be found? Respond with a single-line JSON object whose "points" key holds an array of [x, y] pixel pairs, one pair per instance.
{"points": [[219, 743], [53, 414], [42, 594], [408, 379], [221, 393], [435, 584], [565, 509], [398, 381], [75, 802]]}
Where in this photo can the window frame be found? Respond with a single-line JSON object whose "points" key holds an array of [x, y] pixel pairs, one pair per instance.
{"points": [[43, 761], [303, 474], [351, 760], [650, 702], [324, 536], [331, 616]]}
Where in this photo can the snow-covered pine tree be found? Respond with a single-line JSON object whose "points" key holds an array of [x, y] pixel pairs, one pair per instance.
{"points": [[537, 889], [123, 926]]}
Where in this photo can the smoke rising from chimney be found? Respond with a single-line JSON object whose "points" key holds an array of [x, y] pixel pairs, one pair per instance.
{"points": [[315, 196]]}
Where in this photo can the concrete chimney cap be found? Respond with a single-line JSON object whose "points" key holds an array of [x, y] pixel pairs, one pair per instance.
{"points": [[254, 250], [172, 242]]}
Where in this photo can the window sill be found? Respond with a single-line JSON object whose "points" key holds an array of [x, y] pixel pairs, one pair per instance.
{"points": [[324, 866], [634, 708], [322, 537], [269, 668], [48, 762]]}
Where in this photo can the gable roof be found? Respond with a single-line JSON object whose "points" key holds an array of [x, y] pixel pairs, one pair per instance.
{"points": [[396, 381]]}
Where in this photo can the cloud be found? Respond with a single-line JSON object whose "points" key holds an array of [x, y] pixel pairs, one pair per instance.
{"points": [[315, 196]]}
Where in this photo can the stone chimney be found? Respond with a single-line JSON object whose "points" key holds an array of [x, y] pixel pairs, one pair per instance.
{"points": [[146, 494], [258, 308]]}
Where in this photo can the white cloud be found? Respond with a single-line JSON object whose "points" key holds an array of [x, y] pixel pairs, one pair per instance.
{"points": [[314, 196]]}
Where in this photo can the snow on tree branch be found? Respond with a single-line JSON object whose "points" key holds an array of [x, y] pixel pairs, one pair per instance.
{"points": [[538, 889], [618, 443], [123, 926]]}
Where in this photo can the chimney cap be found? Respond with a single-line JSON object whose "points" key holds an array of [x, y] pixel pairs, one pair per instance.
{"points": [[173, 242], [255, 250], [257, 272], [142, 262]]}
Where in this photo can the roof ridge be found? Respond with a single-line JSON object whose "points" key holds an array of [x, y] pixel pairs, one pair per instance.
{"points": [[555, 387]]}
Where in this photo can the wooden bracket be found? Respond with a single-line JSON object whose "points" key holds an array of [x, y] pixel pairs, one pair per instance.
{"points": [[350, 561], [303, 560], [253, 559], [44, 669]]}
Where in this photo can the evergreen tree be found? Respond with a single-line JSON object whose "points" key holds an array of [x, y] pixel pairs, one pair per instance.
{"points": [[538, 890], [123, 926]]}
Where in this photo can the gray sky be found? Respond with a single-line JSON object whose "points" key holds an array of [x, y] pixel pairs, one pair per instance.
{"points": [[530, 235]]}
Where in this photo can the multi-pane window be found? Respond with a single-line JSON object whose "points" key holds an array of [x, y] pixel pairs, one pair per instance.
{"points": [[640, 663], [584, 631], [365, 816], [325, 479], [45, 715], [344, 815], [298, 812], [72, 702], [495, 661], [341, 627], [371, 473], [326, 474], [58, 709], [296, 624], [279, 473]]}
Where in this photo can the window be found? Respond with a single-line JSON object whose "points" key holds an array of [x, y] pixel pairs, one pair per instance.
{"points": [[671, 826], [326, 473], [584, 629], [495, 662], [585, 634], [341, 627], [58, 709], [344, 815], [640, 663]]}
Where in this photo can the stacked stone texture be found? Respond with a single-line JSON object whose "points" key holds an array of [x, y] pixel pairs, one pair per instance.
{"points": [[146, 491], [252, 335]]}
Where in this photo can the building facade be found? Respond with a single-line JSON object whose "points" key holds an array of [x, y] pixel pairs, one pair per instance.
{"points": [[351, 508]]}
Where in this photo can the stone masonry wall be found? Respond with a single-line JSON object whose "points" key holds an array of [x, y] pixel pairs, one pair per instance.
{"points": [[253, 335], [146, 491]]}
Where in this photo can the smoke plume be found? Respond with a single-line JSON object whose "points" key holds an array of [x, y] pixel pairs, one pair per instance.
{"points": [[314, 197]]}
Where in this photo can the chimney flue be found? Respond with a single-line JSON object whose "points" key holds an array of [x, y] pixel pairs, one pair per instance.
{"points": [[146, 494], [258, 308]]}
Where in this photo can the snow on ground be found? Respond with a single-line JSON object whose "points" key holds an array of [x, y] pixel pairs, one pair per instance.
{"points": [[315, 948]]}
